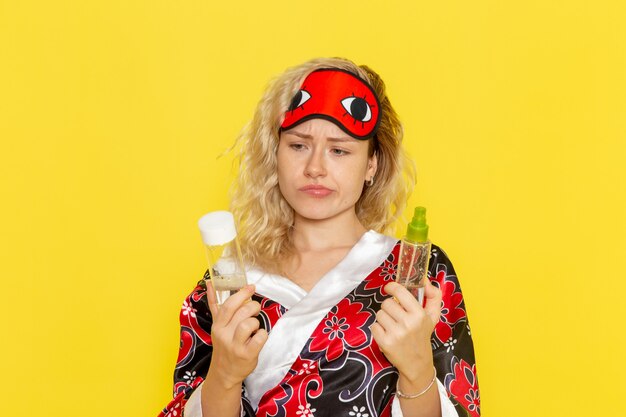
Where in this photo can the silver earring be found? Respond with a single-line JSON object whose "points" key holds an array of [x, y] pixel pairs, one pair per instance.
{"points": [[370, 182]]}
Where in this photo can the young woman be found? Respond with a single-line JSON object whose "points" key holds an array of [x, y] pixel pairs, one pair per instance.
{"points": [[322, 329]]}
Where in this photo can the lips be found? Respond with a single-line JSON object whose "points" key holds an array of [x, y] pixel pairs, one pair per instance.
{"points": [[316, 190]]}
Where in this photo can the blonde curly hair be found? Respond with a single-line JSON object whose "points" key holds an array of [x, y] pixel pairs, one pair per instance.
{"points": [[264, 218]]}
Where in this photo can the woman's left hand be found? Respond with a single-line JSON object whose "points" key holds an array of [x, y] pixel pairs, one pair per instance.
{"points": [[403, 328]]}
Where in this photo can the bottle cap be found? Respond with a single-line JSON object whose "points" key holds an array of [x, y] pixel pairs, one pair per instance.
{"points": [[217, 228], [417, 230]]}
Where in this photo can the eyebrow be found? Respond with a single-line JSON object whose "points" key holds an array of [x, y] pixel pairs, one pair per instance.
{"points": [[305, 136]]}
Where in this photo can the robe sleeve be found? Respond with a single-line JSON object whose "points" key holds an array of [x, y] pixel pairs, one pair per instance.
{"points": [[453, 349], [194, 355]]}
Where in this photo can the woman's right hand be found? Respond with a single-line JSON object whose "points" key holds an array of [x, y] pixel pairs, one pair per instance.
{"points": [[237, 339]]}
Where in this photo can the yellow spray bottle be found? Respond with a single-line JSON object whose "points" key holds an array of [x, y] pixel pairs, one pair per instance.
{"points": [[414, 255]]}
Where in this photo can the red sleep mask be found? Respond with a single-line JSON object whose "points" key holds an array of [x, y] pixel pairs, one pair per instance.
{"points": [[338, 96]]}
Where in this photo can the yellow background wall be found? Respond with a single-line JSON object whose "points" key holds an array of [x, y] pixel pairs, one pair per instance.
{"points": [[112, 114]]}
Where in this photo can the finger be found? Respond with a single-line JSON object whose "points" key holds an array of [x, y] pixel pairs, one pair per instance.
{"points": [[392, 307], [432, 305], [247, 310], [379, 334], [257, 341], [211, 299], [233, 303], [403, 296], [432, 294], [430, 291], [385, 320], [244, 330]]}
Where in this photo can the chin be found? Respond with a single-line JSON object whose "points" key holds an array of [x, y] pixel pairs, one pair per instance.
{"points": [[313, 214], [317, 214]]}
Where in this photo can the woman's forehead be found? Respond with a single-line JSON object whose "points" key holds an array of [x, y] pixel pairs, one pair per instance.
{"points": [[320, 127]]}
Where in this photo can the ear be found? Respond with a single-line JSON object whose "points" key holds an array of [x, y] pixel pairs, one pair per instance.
{"points": [[372, 166]]}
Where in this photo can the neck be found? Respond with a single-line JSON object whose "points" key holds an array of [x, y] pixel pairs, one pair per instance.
{"points": [[318, 235]]}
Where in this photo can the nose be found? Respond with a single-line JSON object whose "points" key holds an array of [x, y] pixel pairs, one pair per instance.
{"points": [[315, 166]]}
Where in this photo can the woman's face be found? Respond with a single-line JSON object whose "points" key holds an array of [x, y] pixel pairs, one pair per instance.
{"points": [[322, 169]]}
